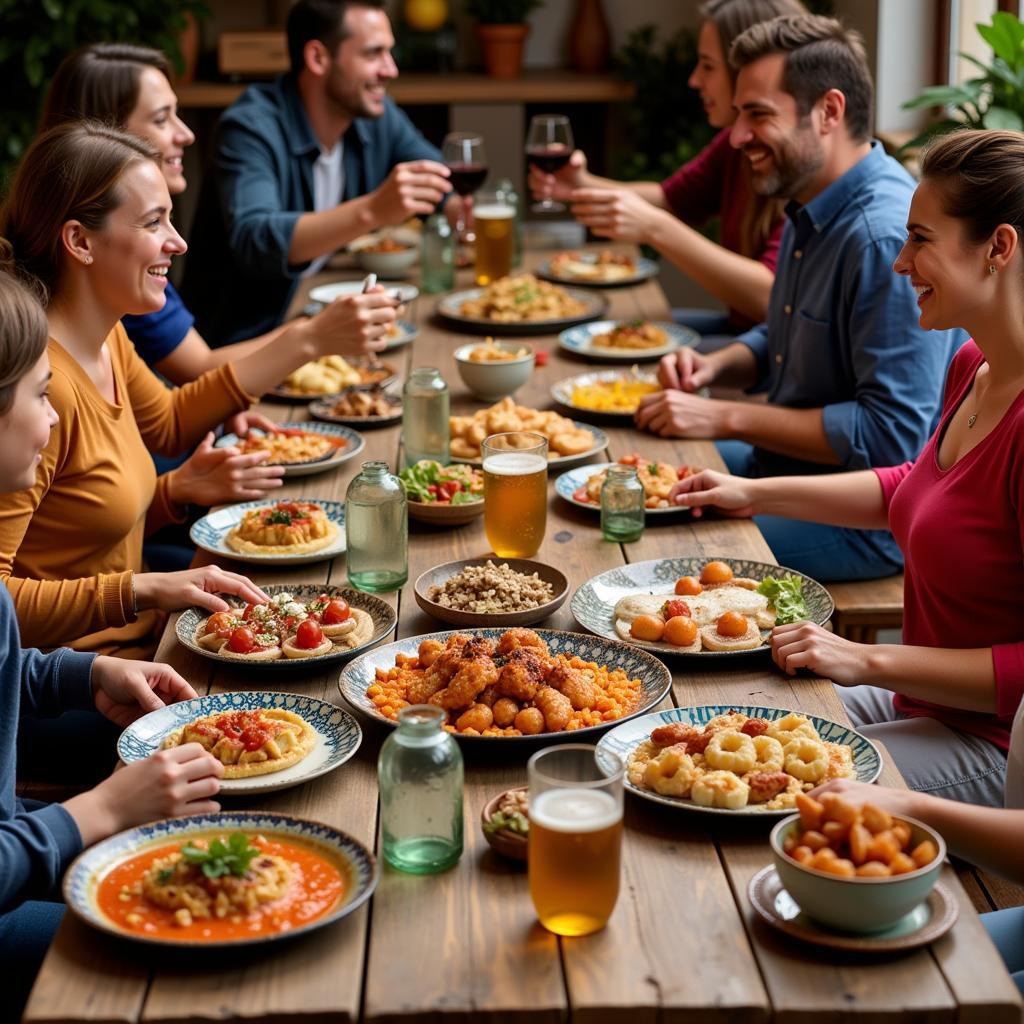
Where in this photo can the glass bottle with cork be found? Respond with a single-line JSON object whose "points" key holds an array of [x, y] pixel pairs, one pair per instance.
{"points": [[425, 431], [377, 530], [622, 505]]}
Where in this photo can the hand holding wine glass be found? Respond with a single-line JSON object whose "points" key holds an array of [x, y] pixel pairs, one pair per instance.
{"points": [[549, 144], [464, 155]]}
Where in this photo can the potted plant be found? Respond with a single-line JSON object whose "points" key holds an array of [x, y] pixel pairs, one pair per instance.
{"points": [[502, 31]]}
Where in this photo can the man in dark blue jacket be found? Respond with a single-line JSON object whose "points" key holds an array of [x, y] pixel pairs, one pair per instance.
{"points": [[303, 165]]}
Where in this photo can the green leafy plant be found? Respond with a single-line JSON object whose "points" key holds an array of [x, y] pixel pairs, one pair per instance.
{"points": [[38, 34], [220, 858], [995, 99], [502, 12]]}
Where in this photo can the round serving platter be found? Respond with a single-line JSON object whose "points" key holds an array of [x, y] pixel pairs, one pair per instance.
{"points": [[580, 341], [337, 735], [561, 392], [87, 871], [593, 604], [448, 308], [327, 293], [569, 482], [625, 737], [655, 678], [564, 461], [380, 376], [352, 445], [210, 533], [645, 270], [323, 409]]}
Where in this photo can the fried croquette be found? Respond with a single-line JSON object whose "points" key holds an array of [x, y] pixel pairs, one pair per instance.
{"points": [[512, 639], [574, 684], [472, 678], [554, 706]]}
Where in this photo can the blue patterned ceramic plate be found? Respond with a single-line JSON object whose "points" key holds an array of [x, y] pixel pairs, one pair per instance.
{"points": [[626, 737], [580, 341], [645, 269], [326, 409], [449, 309], [593, 604], [561, 391], [209, 533], [383, 615], [652, 673], [562, 461], [352, 445], [338, 735], [350, 856], [572, 480]]}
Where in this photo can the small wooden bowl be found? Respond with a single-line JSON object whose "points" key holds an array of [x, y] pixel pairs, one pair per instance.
{"points": [[508, 844], [445, 515]]}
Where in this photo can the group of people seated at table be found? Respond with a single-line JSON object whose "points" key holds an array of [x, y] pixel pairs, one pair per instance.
{"points": [[879, 437]]}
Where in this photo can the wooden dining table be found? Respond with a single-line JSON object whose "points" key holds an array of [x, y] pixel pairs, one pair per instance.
{"points": [[683, 943]]}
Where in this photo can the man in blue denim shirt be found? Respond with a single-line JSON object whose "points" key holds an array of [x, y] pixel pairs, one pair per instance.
{"points": [[852, 380], [302, 166]]}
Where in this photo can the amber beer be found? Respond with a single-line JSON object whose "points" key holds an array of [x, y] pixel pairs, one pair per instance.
{"points": [[515, 469], [495, 239]]}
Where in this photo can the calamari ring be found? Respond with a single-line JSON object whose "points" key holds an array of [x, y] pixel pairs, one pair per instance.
{"points": [[790, 727], [671, 773], [720, 789], [806, 759], [770, 755], [731, 751]]}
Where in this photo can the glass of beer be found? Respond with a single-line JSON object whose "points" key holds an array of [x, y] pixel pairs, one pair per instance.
{"points": [[515, 468], [494, 222], [575, 838]]}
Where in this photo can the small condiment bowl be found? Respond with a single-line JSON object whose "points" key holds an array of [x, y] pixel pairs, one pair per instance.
{"points": [[387, 265], [493, 379], [440, 514], [507, 843], [857, 905]]}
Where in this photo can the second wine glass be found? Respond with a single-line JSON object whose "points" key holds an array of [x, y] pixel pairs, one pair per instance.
{"points": [[463, 153], [549, 145]]}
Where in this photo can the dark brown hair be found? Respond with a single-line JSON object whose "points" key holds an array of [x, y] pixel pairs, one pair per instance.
{"points": [[70, 172], [100, 83], [23, 331], [980, 179], [319, 19], [821, 54]]}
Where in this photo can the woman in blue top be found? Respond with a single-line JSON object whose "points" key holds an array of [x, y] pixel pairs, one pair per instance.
{"points": [[38, 841]]}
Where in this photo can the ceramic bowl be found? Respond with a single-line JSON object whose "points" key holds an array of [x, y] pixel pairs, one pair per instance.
{"points": [[386, 264], [504, 841], [490, 381], [445, 515], [857, 905]]}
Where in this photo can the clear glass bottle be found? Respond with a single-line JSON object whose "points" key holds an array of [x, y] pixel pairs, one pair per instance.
{"points": [[377, 530], [437, 255], [506, 192], [425, 433], [419, 772], [622, 505]]}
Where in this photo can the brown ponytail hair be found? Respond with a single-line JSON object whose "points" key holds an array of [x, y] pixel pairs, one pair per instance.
{"points": [[23, 330], [70, 172]]}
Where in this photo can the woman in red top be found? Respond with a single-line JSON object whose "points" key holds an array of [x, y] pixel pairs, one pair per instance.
{"points": [[716, 183], [944, 702]]}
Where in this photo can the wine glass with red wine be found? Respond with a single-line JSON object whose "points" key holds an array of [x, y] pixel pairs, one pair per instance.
{"points": [[464, 154], [549, 145]]}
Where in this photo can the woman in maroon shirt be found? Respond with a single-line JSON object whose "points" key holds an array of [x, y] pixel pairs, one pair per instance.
{"points": [[944, 702], [716, 183]]}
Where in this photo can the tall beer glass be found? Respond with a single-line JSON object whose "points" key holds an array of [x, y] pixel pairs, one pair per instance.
{"points": [[575, 838], [495, 237], [515, 492]]}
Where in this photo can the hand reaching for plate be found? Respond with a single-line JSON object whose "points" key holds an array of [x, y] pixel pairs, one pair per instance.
{"points": [[127, 690]]}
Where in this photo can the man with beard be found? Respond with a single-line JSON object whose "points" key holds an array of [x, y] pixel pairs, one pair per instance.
{"points": [[303, 165], [851, 379]]}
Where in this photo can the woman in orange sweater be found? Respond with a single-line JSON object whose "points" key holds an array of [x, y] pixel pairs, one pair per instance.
{"points": [[88, 219]]}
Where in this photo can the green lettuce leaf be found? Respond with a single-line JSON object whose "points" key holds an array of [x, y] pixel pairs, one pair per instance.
{"points": [[786, 595]]}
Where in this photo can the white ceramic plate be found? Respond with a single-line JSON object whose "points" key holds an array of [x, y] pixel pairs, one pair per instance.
{"points": [[645, 269], [326, 293], [449, 308], [580, 341], [352, 446], [569, 482], [561, 391]]}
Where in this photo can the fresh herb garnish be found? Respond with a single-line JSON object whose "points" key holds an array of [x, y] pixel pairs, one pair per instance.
{"points": [[222, 858], [786, 594], [652, 468], [164, 876], [513, 821], [279, 516]]}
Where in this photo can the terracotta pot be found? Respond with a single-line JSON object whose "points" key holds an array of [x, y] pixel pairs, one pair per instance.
{"points": [[502, 47], [188, 42], [590, 42]]}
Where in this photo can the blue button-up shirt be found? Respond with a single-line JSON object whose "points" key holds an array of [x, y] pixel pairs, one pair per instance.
{"points": [[842, 332], [238, 281]]}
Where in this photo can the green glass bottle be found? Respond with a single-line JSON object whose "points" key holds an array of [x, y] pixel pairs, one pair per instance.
{"points": [[622, 505]]}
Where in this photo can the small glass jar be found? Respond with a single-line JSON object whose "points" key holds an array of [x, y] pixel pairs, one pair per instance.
{"points": [[506, 192], [377, 530], [420, 776], [425, 431], [437, 255], [622, 505]]}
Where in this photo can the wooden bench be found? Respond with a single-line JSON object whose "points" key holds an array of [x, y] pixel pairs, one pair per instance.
{"points": [[988, 892], [865, 607]]}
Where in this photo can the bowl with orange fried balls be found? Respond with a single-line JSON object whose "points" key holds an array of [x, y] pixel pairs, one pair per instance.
{"points": [[855, 869]]}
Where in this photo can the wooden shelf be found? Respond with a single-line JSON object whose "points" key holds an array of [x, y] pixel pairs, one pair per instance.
{"points": [[461, 87]]}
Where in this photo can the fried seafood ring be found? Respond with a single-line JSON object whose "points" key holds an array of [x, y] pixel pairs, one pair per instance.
{"points": [[720, 789], [671, 773], [770, 754], [731, 751], [806, 759], [790, 727]]}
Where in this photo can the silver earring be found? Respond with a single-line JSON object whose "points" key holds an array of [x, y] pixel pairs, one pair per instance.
{"points": [[991, 268], [88, 259]]}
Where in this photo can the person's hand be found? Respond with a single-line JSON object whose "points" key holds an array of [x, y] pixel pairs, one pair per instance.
{"points": [[172, 591], [678, 414], [217, 476], [559, 185], [808, 646], [410, 189], [615, 213], [353, 325], [168, 784], [896, 801], [686, 370], [730, 495], [127, 690], [242, 422]]}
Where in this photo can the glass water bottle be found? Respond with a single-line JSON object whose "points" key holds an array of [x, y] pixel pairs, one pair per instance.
{"points": [[622, 505], [419, 772], [377, 530], [437, 255], [425, 417], [506, 192]]}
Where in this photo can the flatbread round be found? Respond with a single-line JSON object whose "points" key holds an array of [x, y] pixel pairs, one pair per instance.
{"points": [[237, 543]]}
